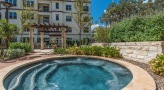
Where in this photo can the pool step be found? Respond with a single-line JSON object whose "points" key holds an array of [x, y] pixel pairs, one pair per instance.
{"points": [[112, 83], [43, 77], [34, 76], [13, 80], [20, 77]]}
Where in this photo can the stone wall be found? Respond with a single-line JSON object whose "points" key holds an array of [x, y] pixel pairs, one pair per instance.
{"points": [[138, 51]]}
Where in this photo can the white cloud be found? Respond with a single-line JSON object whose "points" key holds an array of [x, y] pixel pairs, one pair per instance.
{"points": [[94, 26], [145, 1], [97, 25], [104, 11]]}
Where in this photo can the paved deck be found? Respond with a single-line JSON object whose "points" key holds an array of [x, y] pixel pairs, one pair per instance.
{"points": [[45, 51], [38, 54]]}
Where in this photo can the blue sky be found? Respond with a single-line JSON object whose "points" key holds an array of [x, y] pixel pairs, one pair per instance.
{"points": [[98, 7]]}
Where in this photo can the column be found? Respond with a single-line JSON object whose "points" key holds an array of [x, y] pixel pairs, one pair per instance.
{"points": [[31, 38], [63, 37], [42, 40]]}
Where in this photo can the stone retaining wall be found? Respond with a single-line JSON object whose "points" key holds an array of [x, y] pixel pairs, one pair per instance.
{"points": [[138, 51]]}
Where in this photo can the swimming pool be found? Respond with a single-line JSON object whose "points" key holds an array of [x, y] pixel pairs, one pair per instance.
{"points": [[74, 73]]}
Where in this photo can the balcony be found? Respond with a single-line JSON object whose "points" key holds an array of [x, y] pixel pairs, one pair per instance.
{"points": [[44, 19], [43, 7]]}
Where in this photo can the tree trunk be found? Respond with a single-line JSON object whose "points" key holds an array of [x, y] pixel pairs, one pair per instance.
{"points": [[21, 38], [7, 43], [80, 38], [31, 39]]}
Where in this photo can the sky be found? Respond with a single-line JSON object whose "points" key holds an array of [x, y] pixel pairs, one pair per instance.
{"points": [[97, 9]]}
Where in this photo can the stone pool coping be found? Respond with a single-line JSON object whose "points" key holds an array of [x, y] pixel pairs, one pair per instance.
{"points": [[141, 79]]}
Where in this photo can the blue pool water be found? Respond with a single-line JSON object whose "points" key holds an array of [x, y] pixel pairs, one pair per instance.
{"points": [[69, 74]]}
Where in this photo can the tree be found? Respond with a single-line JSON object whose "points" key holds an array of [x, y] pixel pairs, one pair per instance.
{"points": [[27, 15], [82, 18], [100, 34], [127, 8], [8, 31]]}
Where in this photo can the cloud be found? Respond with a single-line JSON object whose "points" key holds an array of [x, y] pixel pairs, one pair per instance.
{"points": [[104, 11], [94, 26]]}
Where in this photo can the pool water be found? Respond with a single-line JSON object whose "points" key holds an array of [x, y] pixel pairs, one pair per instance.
{"points": [[69, 74]]}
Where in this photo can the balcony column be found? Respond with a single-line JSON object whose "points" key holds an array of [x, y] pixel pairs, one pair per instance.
{"points": [[31, 29], [63, 37], [42, 40]]}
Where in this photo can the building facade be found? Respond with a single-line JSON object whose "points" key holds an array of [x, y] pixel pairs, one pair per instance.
{"points": [[52, 12]]}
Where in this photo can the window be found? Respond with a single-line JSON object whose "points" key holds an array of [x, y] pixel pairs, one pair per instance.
{"points": [[26, 30], [10, 1], [14, 2], [32, 16], [68, 18], [14, 40], [38, 40], [69, 38], [32, 3], [57, 17], [47, 40], [68, 7], [86, 30], [57, 5], [26, 39], [12, 15], [45, 19], [45, 8], [29, 3], [86, 8], [69, 30]]}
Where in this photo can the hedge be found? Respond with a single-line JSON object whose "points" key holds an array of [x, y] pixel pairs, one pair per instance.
{"points": [[137, 29]]}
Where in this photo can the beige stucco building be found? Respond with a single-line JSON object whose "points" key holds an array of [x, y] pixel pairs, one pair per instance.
{"points": [[51, 11]]}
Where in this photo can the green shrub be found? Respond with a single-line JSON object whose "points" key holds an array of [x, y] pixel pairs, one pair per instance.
{"points": [[135, 29], [157, 65], [19, 45], [60, 51], [95, 51], [15, 53], [74, 50], [3, 54], [85, 50], [110, 52], [69, 43]]}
